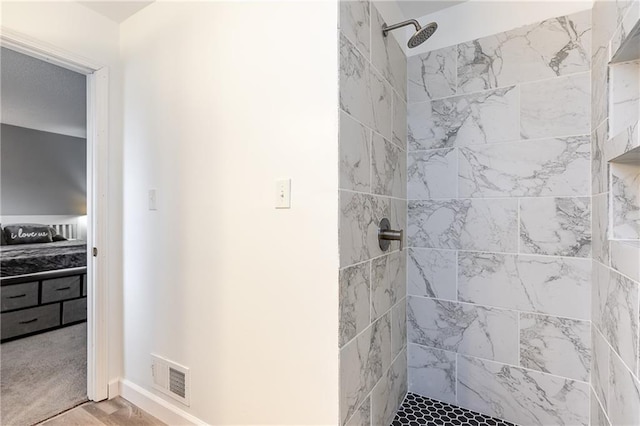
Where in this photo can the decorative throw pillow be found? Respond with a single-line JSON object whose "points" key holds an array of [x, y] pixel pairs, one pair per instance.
{"points": [[3, 240], [58, 237], [27, 233]]}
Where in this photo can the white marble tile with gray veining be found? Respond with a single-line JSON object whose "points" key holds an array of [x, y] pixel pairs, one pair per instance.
{"points": [[599, 165], [623, 142], [420, 129], [464, 328], [599, 87], [432, 174], [526, 283], [600, 228], [355, 290], [556, 226], [559, 346], [624, 95], [388, 168], [628, 16], [432, 373], [388, 282], [387, 56], [399, 327], [389, 393], [355, 152], [615, 311], [432, 75], [521, 396], [464, 224], [355, 90], [432, 273], [625, 258], [381, 103], [551, 48], [479, 118], [557, 107], [398, 220], [362, 416], [624, 394], [363, 362], [399, 121], [360, 216], [598, 417], [549, 167], [607, 17], [625, 201], [355, 23], [363, 93], [600, 366]]}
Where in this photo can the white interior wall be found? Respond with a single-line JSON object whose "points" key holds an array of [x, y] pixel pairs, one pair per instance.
{"points": [[76, 29], [480, 18], [220, 100]]}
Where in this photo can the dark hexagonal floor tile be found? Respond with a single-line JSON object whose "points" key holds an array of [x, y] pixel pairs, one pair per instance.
{"points": [[418, 410]]}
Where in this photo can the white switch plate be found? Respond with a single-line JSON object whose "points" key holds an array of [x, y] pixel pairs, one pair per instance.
{"points": [[283, 194], [153, 201]]}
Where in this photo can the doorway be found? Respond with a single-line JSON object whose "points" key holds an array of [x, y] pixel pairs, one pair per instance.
{"points": [[97, 83]]}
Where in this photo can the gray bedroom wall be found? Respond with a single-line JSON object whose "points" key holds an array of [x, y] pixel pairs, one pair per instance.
{"points": [[42, 173]]}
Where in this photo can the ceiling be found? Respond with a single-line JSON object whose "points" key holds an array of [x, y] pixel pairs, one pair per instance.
{"points": [[117, 11], [42, 96], [414, 9]]}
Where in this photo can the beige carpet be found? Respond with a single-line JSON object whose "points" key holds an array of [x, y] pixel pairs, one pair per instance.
{"points": [[43, 375]]}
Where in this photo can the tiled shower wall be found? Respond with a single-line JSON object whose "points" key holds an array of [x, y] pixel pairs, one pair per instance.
{"points": [[615, 398], [499, 223], [373, 359]]}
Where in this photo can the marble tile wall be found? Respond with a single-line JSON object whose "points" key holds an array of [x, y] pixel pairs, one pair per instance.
{"points": [[499, 224], [615, 394], [373, 185]]}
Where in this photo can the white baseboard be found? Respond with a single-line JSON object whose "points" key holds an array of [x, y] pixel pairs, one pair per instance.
{"points": [[114, 388], [156, 406]]}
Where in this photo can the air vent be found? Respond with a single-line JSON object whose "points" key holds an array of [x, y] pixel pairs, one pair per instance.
{"points": [[170, 378]]}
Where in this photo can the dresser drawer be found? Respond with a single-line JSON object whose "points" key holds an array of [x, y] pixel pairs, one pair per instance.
{"points": [[19, 296], [60, 289], [84, 285], [30, 320], [74, 310]]}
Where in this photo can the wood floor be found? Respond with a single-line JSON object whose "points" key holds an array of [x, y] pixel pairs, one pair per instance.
{"points": [[115, 412]]}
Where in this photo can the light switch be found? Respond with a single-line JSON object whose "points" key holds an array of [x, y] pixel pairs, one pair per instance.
{"points": [[153, 201], [283, 194]]}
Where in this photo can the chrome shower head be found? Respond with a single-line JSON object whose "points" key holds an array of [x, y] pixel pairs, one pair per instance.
{"points": [[421, 35]]}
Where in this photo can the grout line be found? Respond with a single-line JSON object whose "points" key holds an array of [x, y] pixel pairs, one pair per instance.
{"points": [[499, 308], [506, 86], [500, 362], [547, 256]]}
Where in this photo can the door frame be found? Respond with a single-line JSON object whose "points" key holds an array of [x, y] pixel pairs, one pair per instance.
{"points": [[97, 191]]}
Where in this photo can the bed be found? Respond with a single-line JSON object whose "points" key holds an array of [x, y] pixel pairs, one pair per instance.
{"points": [[43, 285], [26, 259]]}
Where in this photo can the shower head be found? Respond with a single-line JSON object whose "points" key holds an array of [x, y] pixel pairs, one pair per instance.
{"points": [[421, 35]]}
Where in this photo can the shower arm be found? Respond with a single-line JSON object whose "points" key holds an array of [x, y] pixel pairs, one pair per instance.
{"points": [[386, 29]]}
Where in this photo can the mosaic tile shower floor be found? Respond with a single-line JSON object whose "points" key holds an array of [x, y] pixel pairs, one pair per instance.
{"points": [[418, 410]]}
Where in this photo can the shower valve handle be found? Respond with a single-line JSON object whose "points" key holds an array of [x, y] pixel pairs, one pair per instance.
{"points": [[386, 235]]}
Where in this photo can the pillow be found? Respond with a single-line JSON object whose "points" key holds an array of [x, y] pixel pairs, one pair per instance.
{"points": [[58, 237], [27, 233], [3, 240]]}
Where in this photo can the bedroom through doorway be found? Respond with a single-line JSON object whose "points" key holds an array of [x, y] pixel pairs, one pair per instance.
{"points": [[44, 274]]}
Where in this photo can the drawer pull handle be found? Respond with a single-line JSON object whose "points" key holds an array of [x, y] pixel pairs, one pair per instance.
{"points": [[17, 296], [30, 321], [62, 288]]}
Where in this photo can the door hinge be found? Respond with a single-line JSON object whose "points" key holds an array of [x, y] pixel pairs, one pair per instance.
{"points": [[95, 252]]}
